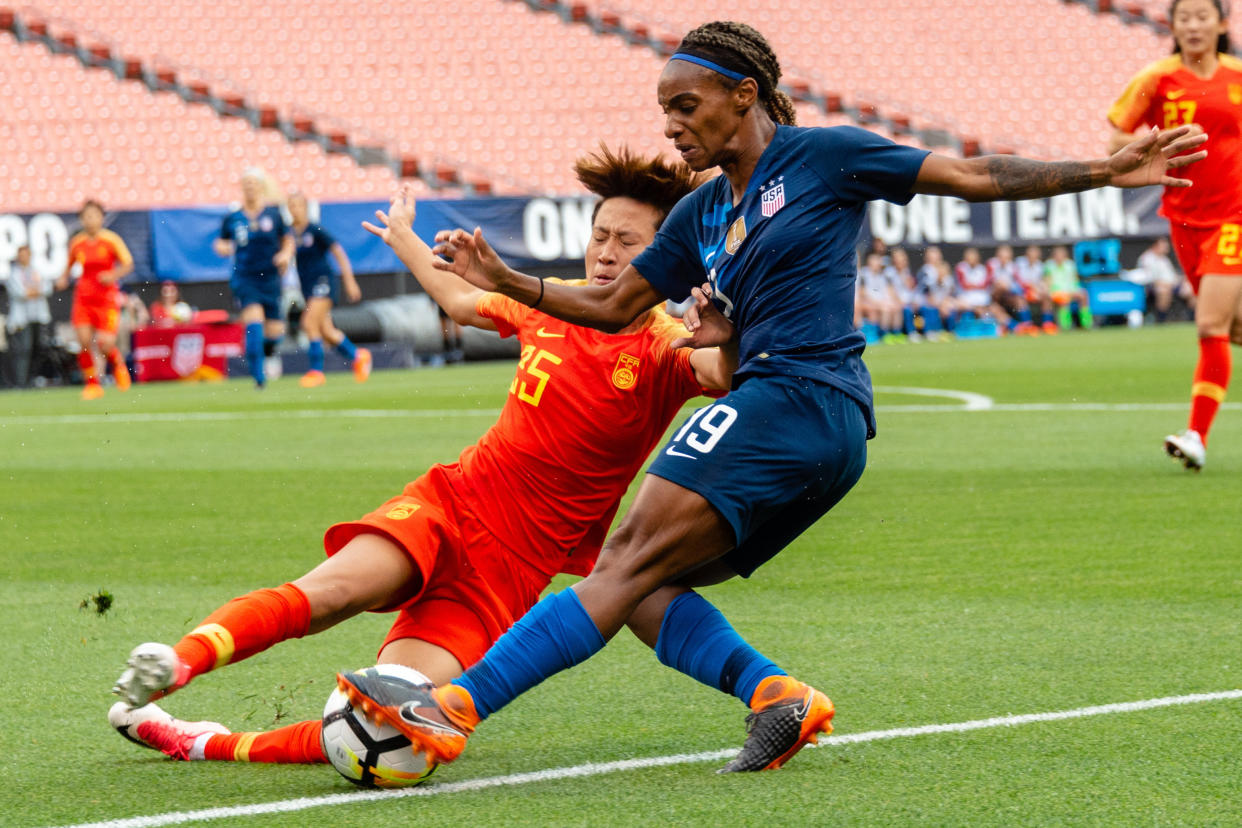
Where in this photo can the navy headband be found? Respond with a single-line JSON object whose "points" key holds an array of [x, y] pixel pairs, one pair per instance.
{"points": [[715, 67]]}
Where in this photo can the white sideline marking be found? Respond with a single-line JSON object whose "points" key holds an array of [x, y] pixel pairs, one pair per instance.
{"points": [[599, 768]]}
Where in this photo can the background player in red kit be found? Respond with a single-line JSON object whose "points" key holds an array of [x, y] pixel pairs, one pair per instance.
{"points": [[1200, 84], [104, 261], [584, 411]]}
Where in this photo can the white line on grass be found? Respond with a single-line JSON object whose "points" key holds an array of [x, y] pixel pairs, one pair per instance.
{"points": [[599, 768]]}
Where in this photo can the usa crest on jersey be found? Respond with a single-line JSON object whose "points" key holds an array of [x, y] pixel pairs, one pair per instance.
{"points": [[772, 199]]}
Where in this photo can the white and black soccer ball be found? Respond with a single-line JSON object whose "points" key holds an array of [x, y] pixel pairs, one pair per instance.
{"points": [[370, 755]]}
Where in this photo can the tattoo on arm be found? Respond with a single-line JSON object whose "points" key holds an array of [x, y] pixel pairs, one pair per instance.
{"points": [[1018, 178]]}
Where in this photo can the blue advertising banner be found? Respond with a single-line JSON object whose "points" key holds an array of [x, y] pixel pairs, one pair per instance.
{"points": [[527, 232], [524, 231]]}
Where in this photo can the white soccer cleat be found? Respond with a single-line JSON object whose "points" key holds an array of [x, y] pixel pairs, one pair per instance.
{"points": [[1187, 448], [151, 727], [273, 367], [152, 668]]}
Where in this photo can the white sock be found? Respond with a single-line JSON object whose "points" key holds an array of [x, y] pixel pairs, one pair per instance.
{"points": [[199, 751]]}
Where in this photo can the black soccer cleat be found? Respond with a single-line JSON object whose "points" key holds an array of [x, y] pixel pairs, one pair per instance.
{"points": [[788, 715]]}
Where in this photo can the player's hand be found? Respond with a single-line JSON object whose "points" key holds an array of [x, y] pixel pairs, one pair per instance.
{"points": [[353, 293], [106, 277], [61, 284], [1149, 159], [402, 209], [708, 327], [469, 256], [222, 247], [281, 260]]}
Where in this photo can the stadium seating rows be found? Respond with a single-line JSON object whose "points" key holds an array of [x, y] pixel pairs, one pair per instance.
{"points": [[525, 93], [69, 131]]}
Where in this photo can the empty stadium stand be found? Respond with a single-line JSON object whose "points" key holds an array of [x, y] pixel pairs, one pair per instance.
{"points": [[507, 107]]}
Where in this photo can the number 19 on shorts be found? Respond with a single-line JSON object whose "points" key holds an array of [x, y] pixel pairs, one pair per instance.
{"points": [[703, 431]]}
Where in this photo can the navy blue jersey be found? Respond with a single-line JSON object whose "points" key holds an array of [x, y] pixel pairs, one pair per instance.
{"points": [[782, 260], [312, 246], [256, 241]]}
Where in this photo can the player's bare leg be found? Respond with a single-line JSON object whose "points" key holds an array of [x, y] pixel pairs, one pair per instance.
{"points": [[369, 572]]}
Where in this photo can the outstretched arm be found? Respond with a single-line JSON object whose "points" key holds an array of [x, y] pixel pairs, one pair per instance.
{"points": [[606, 307], [714, 359], [998, 177], [396, 228]]}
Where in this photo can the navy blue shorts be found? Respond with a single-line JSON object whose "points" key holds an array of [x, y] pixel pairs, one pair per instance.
{"points": [[246, 293], [324, 286], [772, 458]]}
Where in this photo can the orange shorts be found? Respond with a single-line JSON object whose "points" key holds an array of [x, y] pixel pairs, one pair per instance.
{"points": [[1207, 250], [101, 317], [473, 587]]}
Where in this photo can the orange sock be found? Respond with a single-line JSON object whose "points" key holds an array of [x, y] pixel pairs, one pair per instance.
{"points": [[242, 627], [118, 368], [87, 363], [296, 744], [1211, 380]]}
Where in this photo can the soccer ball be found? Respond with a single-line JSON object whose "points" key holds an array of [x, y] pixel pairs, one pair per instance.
{"points": [[370, 755]]}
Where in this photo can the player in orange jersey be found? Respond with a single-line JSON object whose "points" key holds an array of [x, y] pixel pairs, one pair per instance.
{"points": [[584, 411], [1200, 84], [103, 261]]}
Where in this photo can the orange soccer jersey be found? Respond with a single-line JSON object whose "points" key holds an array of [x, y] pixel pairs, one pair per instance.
{"points": [[95, 255], [584, 410], [1167, 94]]}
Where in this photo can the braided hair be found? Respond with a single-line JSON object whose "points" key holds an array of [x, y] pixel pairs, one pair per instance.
{"points": [[1222, 42], [624, 174], [737, 44]]}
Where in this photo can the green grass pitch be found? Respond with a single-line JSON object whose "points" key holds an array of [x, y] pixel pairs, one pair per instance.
{"points": [[1040, 556]]}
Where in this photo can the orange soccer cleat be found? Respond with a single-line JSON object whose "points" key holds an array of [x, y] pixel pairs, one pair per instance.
{"points": [[92, 391], [312, 379], [787, 715], [362, 365], [436, 720]]}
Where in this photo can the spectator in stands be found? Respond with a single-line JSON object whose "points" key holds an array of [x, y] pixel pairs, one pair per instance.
{"points": [[134, 315], [1030, 277], [877, 299], [929, 272], [906, 287], [29, 317], [879, 248], [974, 286], [168, 309], [1068, 295], [1006, 292], [1162, 279]]}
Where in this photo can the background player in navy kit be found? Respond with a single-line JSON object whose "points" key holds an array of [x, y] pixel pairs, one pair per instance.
{"points": [[259, 242], [321, 287], [746, 475]]}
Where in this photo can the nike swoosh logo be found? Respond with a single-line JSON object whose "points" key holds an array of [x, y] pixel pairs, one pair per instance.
{"points": [[548, 334], [672, 452], [1175, 94], [409, 712], [1232, 262]]}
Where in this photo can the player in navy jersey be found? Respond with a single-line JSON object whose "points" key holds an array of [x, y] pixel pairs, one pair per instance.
{"points": [[256, 236], [321, 287], [773, 239]]}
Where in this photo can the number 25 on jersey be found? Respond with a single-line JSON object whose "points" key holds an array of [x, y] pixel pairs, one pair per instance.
{"points": [[528, 365]]}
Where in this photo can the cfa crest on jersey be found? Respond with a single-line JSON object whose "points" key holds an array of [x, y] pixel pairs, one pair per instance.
{"points": [[737, 235], [1235, 93], [402, 511], [625, 374]]}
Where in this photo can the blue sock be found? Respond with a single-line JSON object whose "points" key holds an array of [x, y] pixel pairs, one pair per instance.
{"points": [[269, 344], [907, 319], [554, 635], [931, 320], [346, 348], [1049, 319], [1024, 316], [254, 351], [314, 352], [697, 640]]}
